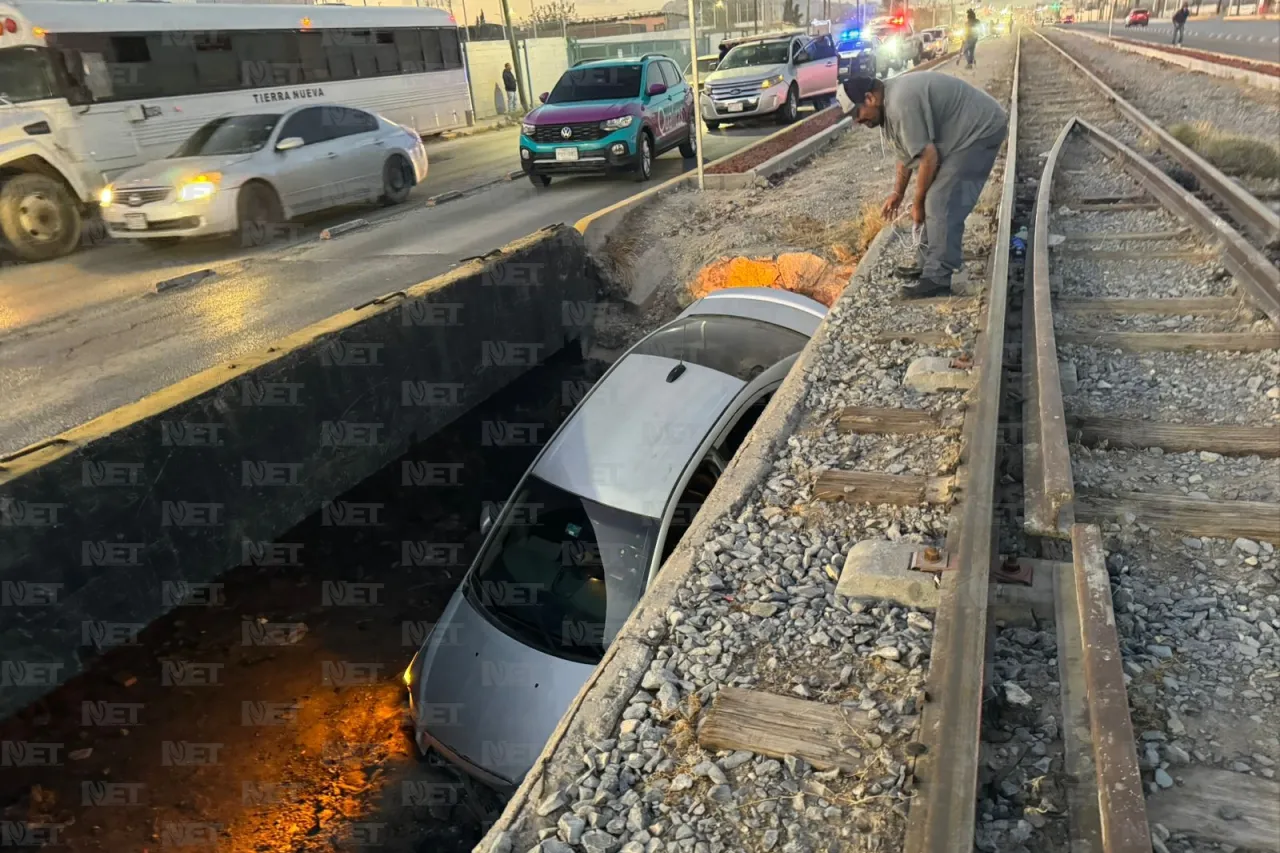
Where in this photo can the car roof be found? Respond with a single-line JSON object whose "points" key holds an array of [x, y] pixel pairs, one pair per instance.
{"points": [[638, 422], [771, 305], [618, 60]]}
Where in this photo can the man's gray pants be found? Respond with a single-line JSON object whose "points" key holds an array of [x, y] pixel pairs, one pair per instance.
{"points": [[951, 198]]}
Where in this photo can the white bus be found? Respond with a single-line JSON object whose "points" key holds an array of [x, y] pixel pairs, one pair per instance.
{"points": [[88, 90]]}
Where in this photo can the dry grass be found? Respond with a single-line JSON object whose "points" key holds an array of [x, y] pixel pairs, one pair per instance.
{"points": [[1233, 154], [845, 241]]}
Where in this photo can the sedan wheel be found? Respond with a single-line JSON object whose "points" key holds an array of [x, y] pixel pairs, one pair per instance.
{"points": [[397, 180]]}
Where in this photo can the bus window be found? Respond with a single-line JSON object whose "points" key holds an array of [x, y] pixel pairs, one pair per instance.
{"points": [[385, 53], [216, 69], [452, 50], [409, 51], [315, 64], [432, 53], [26, 74], [97, 76]]}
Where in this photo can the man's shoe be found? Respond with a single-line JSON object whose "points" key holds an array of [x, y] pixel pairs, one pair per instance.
{"points": [[908, 271], [924, 288]]}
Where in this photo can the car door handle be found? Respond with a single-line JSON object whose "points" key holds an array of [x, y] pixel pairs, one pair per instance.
{"points": [[331, 155]]}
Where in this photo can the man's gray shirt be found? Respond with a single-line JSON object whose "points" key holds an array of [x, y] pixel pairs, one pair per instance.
{"points": [[928, 106]]}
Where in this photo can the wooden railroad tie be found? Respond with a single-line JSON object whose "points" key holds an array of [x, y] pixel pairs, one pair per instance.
{"points": [[1226, 439], [896, 489], [826, 736], [1215, 519], [873, 420], [1173, 341], [1184, 307]]}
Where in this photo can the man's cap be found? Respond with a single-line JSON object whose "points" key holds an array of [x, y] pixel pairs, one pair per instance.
{"points": [[853, 92]]}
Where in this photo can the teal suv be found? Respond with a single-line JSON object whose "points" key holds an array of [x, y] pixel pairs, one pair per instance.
{"points": [[606, 116]]}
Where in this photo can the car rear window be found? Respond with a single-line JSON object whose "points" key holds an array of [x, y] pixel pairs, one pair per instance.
{"points": [[603, 83], [734, 345]]}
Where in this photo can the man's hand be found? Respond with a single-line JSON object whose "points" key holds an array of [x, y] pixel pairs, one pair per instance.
{"points": [[917, 212], [889, 210]]}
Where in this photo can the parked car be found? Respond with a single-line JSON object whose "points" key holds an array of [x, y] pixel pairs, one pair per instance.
{"points": [[609, 115], [861, 57], [1138, 18], [771, 75], [249, 172], [1069, 19], [590, 525], [706, 64], [940, 40]]}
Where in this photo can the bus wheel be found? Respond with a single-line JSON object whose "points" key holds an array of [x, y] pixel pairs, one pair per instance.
{"points": [[38, 217], [397, 180], [259, 214]]}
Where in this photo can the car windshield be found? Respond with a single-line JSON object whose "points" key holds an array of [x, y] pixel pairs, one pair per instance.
{"points": [[230, 135], [706, 66], [734, 345], [562, 573], [756, 53], [604, 83], [26, 74]]}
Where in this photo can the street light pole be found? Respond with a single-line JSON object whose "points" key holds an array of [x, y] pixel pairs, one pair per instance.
{"points": [[697, 94], [1111, 18], [515, 54]]}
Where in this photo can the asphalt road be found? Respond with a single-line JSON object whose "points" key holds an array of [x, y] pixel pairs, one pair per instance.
{"points": [[87, 333], [1248, 39]]}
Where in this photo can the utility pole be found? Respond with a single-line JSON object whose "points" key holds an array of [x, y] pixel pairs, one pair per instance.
{"points": [[515, 54], [1111, 18]]}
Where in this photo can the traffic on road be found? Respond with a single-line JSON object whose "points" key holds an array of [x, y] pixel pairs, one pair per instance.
{"points": [[1247, 39]]}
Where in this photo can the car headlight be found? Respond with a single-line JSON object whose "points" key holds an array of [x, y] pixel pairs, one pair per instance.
{"points": [[772, 81], [200, 187], [526, 130], [107, 195], [616, 123]]}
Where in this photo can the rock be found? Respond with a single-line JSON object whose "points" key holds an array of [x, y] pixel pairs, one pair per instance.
{"points": [[888, 653], [763, 609], [1248, 546], [553, 845], [1162, 652], [598, 841], [1015, 695], [736, 759], [571, 827], [1208, 456], [1163, 779], [551, 803], [682, 782]]}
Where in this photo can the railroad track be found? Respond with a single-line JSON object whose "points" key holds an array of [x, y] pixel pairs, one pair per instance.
{"points": [[1122, 483]]}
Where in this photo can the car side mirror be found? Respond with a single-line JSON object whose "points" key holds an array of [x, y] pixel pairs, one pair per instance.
{"points": [[543, 97], [488, 516], [657, 89], [289, 143]]}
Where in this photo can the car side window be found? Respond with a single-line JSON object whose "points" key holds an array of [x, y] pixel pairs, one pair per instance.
{"points": [[821, 48], [737, 433], [674, 78], [691, 500], [653, 75], [308, 124]]}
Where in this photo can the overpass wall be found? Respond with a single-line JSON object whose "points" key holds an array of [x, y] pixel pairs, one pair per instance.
{"points": [[110, 525]]}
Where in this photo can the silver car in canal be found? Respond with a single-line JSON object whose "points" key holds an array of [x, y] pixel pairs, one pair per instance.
{"points": [[249, 174], [567, 558]]}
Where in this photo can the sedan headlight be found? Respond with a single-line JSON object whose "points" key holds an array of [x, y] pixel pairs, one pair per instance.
{"points": [[617, 123], [777, 80], [200, 187], [526, 130], [107, 196]]}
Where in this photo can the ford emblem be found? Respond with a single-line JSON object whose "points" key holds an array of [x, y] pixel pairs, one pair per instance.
{"points": [[566, 132]]}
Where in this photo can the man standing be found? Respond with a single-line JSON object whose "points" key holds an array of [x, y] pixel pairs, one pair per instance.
{"points": [[970, 36], [948, 133], [509, 83], [1180, 21]]}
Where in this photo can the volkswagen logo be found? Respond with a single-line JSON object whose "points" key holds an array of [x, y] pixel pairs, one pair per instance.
{"points": [[566, 132]]}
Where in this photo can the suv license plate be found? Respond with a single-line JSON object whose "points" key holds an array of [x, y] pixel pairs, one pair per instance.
{"points": [[135, 221], [735, 107], [563, 154]]}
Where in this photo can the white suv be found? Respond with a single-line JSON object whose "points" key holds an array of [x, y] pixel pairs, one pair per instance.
{"points": [[771, 75]]}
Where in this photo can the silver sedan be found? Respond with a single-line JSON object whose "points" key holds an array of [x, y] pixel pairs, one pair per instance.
{"points": [[249, 174]]}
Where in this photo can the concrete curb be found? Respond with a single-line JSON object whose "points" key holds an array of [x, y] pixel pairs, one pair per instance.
{"points": [[342, 228], [451, 195], [781, 162], [598, 706], [1213, 69], [478, 129], [184, 280]]}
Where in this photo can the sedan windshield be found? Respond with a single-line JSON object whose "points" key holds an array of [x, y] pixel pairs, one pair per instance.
{"points": [[605, 83], [26, 74], [230, 135], [562, 573], [757, 53]]}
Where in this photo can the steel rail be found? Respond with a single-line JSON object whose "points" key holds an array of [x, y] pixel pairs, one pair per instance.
{"points": [[1250, 267], [943, 817], [1248, 211]]}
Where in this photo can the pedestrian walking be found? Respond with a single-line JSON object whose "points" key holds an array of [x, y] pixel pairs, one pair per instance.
{"points": [[970, 37], [513, 90], [1180, 21], [947, 133]]}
